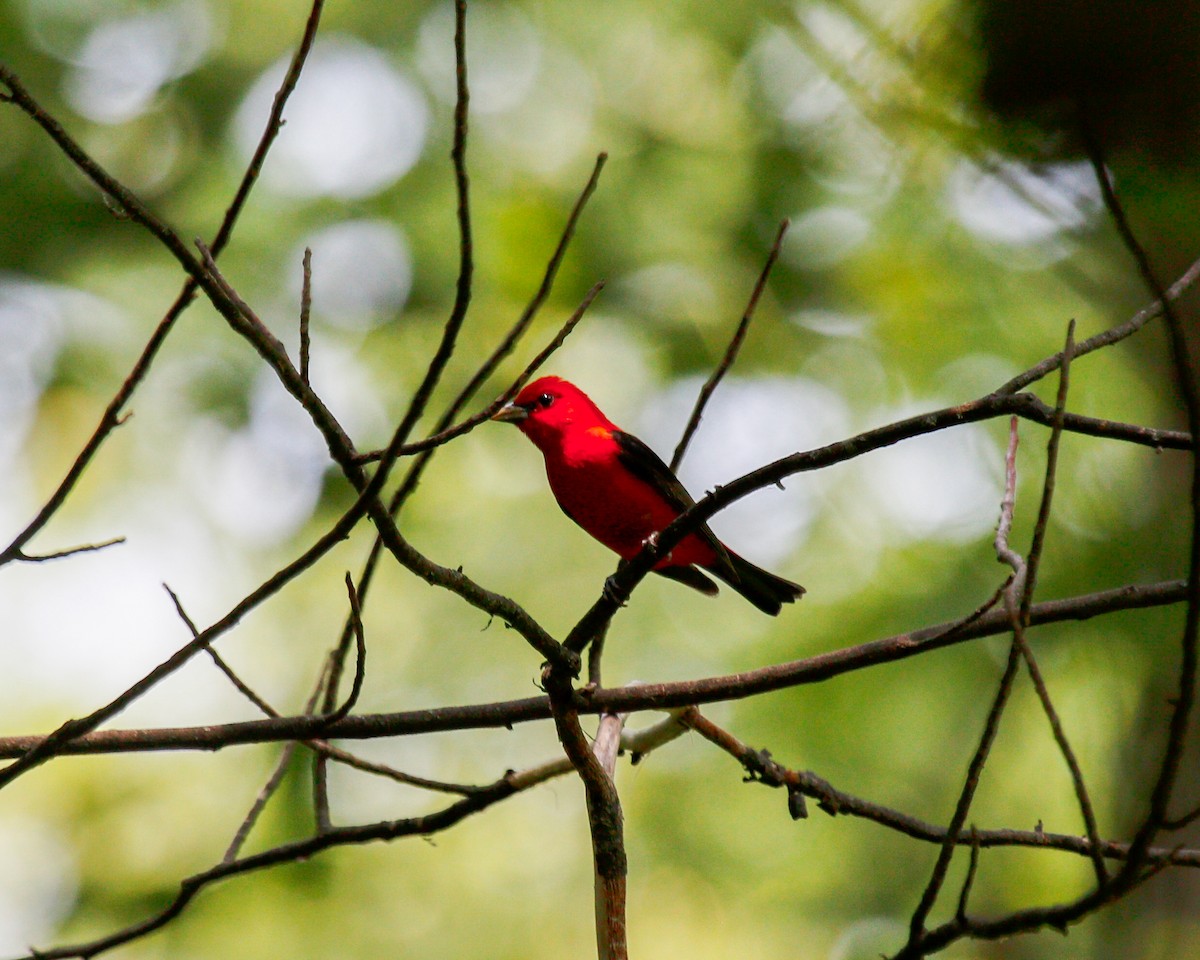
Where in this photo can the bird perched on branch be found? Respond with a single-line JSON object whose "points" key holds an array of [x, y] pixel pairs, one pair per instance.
{"points": [[621, 492]]}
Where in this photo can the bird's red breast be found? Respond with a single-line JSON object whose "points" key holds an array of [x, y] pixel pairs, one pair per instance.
{"points": [[604, 479]]}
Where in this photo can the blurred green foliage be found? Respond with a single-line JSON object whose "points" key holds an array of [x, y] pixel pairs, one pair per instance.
{"points": [[921, 269]]}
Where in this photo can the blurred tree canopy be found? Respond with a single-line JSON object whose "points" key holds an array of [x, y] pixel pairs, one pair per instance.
{"points": [[936, 248]]}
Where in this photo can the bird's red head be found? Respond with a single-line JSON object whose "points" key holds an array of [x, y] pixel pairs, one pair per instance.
{"points": [[550, 408]]}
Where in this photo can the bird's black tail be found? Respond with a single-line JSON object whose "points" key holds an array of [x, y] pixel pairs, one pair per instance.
{"points": [[761, 587]]}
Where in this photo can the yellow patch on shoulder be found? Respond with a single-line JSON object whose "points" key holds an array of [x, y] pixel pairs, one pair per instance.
{"points": [[602, 432]]}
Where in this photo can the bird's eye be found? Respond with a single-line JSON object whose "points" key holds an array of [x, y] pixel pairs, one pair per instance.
{"points": [[545, 400]]}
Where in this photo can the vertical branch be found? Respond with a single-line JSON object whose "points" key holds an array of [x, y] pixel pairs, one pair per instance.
{"points": [[462, 296], [361, 660], [964, 895], [1019, 598], [305, 310], [1164, 786], [596, 656], [488, 367], [610, 891], [466, 255], [604, 818], [1008, 506], [1035, 674], [1038, 543]]}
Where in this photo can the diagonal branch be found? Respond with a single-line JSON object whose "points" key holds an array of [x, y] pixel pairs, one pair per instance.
{"points": [[762, 768], [731, 352]]}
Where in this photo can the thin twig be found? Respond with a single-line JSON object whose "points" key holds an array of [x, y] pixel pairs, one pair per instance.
{"points": [[361, 660], [322, 748], [242, 687], [731, 352], [1185, 376], [964, 894], [444, 431], [274, 781], [1041, 525], [1108, 337], [305, 310], [68, 552], [596, 657], [466, 261], [1035, 674], [522, 324], [293, 852], [1004, 551]]}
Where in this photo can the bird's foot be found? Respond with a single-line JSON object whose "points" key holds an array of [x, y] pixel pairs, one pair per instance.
{"points": [[610, 591]]}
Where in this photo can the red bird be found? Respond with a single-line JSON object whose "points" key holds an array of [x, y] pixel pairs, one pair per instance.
{"points": [[620, 491]]}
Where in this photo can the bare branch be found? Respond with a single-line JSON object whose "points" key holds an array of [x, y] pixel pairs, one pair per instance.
{"points": [[305, 310], [361, 661], [1108, 337], [466, 262], [731, 352], [762, 768], [1008, 504], [643, 696], [1081, 792], [271, 787], [610, 891], [285, 853], [964, 894], [1185, 374], [604, 817], [24, 557], [242, 687], [443, 431], [963, 806]]}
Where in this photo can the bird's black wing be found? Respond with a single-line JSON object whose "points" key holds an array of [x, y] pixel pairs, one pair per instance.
{"points": [[649, 467], [763, 589]]}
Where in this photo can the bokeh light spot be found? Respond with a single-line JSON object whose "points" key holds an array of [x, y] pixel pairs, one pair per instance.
{"points": [[355, 125], [362, 272]]}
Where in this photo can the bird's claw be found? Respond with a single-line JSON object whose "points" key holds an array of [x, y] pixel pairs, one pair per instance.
{"points": [[611, 593]]}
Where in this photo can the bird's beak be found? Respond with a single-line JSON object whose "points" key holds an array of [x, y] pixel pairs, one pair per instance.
{"points": [[511, 413]]}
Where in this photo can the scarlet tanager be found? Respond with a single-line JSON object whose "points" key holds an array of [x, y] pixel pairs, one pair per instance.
{"points": [[620, 491]]}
